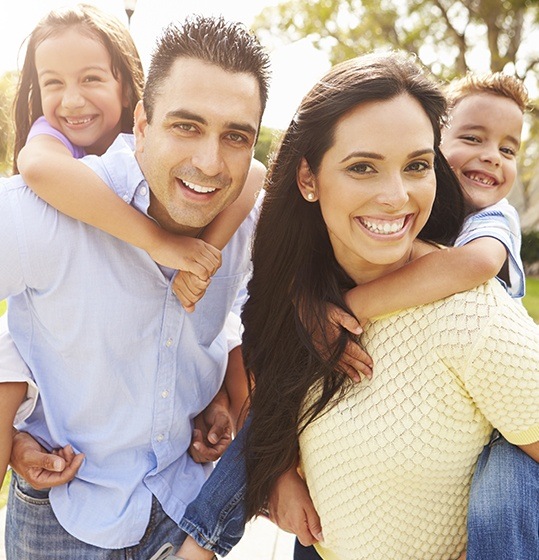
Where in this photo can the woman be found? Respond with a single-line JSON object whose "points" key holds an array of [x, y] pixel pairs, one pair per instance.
{"points": [[360, 188]]}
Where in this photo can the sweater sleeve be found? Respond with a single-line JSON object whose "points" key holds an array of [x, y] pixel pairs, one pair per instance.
{"points": [[502, 370]]}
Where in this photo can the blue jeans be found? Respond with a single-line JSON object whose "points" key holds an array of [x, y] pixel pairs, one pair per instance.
{"points": [[33, 532], [503, 515], [216, 518]]}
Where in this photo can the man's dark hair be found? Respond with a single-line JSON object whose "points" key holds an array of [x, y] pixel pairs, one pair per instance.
{"points": [[228, 45]]}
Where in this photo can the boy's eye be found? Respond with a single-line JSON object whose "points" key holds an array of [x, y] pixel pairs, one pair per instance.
{"points": [[508, 151]]}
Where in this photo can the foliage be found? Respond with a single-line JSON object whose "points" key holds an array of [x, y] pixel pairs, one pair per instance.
{"points": [[7, 90], [3, 307], [443, 33], [531, 299], [266, 144], [530, 247]]}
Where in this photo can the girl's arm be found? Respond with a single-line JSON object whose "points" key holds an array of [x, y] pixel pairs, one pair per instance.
{"points": [[434, 275], [224, 225], [190, 287], [11, 397], [54, 175]]}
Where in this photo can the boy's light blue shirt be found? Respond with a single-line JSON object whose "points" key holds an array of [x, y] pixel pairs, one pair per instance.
{"points": [[501, 222], [122, 369]]}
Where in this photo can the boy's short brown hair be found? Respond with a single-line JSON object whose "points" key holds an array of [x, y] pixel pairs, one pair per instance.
{"points": [[495, 83]]}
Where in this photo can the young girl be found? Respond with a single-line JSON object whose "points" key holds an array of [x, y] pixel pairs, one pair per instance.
{"points": [[79, 85]]}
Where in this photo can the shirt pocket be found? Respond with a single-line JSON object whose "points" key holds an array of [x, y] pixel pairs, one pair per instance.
{"points": [[211, 311]]}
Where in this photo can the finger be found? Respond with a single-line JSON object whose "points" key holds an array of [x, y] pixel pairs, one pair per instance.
{"points": [[314, 525], [41, 478], [221, 428], [304, 535], [33, 459], [345, 320]]}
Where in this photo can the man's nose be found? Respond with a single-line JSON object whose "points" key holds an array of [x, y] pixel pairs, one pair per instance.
{"points": [[209, 158]]}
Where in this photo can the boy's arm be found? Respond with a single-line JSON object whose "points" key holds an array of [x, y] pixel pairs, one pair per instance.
{"points": [[70, 186], [435, 275], [223, 227]]}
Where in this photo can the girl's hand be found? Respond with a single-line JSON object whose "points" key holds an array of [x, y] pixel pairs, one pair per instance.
{"points": [[189, 288], [187, 254]]}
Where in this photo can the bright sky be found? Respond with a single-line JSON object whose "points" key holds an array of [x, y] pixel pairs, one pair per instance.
{"points": [[295, 67]]}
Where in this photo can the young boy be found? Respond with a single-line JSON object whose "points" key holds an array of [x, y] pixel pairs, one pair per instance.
{"points": [[480, 141]]}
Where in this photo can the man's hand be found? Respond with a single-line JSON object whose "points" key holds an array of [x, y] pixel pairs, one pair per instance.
{"points": [[213, 430], [38, 467], [292, 509]]}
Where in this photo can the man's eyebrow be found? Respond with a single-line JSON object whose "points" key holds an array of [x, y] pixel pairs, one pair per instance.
{"points": [[190, 116]]}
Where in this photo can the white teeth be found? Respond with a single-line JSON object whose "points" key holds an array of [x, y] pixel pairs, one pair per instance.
{"points": [[384, 228], [199, 188], [78, 121], [481, 179]]}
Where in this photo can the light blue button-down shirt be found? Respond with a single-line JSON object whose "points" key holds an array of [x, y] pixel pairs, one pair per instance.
{"points": [[121, 368]]}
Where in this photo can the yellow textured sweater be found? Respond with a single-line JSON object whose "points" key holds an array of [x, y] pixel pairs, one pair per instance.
{"points": [[389, 466]]}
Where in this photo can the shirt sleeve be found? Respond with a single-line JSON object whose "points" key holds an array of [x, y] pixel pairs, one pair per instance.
{"points": [[41, 126], [502, 375], [502, 223], [11, 269], [14, 369]]}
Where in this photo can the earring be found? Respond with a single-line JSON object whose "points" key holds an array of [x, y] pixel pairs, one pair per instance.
{"points": [[310, 197]]}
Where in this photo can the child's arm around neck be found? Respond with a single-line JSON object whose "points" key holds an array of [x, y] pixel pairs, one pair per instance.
{"points": [[436, 274]]}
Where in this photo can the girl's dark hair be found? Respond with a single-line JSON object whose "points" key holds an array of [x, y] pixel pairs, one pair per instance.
{"points": [[105, 28], [294, 269]]}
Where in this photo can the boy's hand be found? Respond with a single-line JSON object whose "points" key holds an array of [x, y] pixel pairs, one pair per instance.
{"points": [[189, 288], [38, 467], [355, 360], [187, 254]]}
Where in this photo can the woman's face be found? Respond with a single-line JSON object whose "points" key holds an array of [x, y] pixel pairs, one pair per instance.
{"points": [[376, 185]]}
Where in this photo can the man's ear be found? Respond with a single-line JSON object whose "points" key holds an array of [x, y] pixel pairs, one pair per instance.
{"points": [[139, 129], [306, 181]]}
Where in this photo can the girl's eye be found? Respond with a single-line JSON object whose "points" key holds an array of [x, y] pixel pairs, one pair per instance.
{"points": [[92, 79], [470, 138], [49, 83]]}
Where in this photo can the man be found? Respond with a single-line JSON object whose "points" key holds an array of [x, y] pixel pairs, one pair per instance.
{"points": [[121, 368]]}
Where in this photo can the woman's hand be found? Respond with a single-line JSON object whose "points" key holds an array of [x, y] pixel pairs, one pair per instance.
{"points": [[291, 508]]}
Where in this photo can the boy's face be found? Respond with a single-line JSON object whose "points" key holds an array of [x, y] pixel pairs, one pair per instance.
{"points": [[481, 143]]}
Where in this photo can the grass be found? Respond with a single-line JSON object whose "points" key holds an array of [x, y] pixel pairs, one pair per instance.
{"points": [[531, 299]]}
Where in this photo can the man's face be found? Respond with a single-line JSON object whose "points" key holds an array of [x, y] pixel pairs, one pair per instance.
{"points": [[196, 152]]}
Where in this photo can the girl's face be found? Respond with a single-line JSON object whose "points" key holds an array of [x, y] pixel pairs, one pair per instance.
{"points": [[376, 185], [80, 96]]}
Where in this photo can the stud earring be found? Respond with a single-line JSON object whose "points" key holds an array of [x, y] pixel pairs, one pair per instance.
{"points": [[310, 197]]}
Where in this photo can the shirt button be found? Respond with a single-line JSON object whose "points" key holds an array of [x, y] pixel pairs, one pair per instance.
{"points": [[143, 191], [168, 343], [164, 394], [160, 438], [126, 198]]}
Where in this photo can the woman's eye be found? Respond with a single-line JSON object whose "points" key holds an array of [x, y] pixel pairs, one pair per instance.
{"points": [[419, 166], [360, 168]]}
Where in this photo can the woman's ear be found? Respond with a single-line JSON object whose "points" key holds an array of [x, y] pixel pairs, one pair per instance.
{"points": [[306, 181]]}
